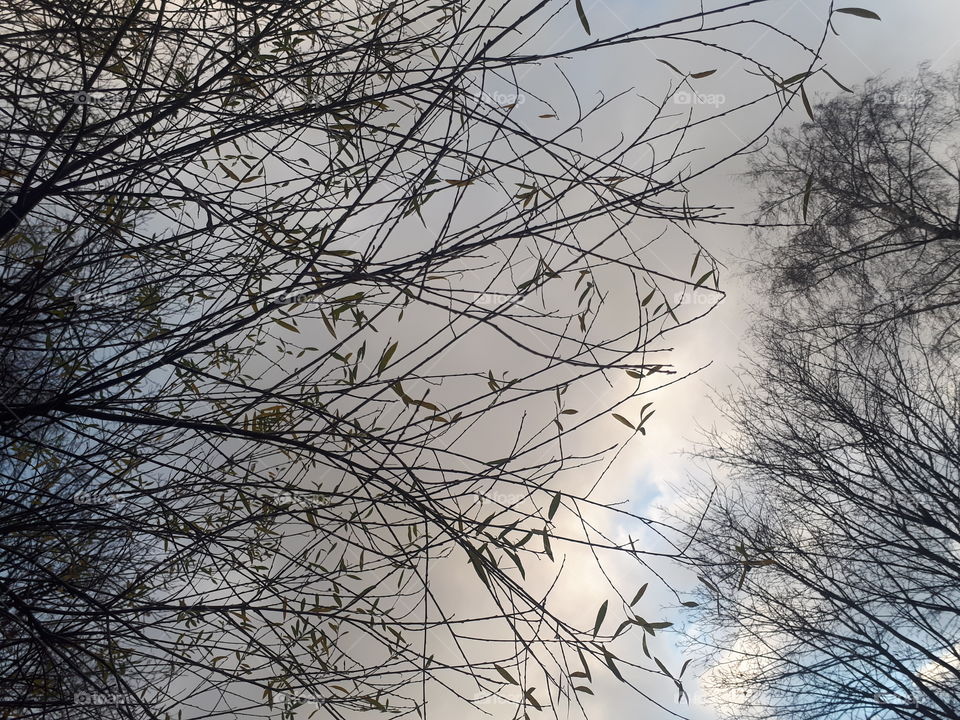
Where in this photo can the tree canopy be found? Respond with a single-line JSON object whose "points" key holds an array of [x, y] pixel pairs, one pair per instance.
{"points": [[306, 305]]}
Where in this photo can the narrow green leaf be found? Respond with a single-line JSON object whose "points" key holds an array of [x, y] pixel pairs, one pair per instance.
{"points": [[838, 83], [622, 419], [672, 67], [794, 78], [601, 614], [385, 358], [608, 658], [640, 592], [286, 325], [701, 75], [806, 103], [806, 195], [583, 19], [554, 506], [859, 12], [506, 676]]}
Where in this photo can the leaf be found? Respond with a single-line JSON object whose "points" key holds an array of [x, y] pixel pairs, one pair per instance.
{"points": [[623, 626], [806, 195], [672, 67], [608, 658], [568, 412], [230, 174], [649, 297], [794, 78], [533, 701], [506, 676], [385, 358], [859, 12], [640, 592], [691, 604], [622, 419], [662, 667], [806, 103], [478, 568], [839, 84], [702, 279], [684, 668], [583, 16], [545, 117], [583, 688], [601, 614], [554, 506], [286, 325], [459, 183], [700, 75]]}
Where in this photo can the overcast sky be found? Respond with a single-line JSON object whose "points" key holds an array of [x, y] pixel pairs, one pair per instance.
{"points": [[910, 33]]}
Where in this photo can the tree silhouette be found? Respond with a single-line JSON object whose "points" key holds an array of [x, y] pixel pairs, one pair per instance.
{"points": [[827, 548], [305, 306], [829, 557], [865, 201]]}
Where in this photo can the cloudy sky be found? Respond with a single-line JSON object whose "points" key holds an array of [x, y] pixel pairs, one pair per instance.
{"points": [[910, 33], [653, 472]]}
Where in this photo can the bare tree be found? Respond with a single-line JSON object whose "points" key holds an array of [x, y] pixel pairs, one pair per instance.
{"points": [[302, 309], [829, 560], [827, 548], [865, 202]]}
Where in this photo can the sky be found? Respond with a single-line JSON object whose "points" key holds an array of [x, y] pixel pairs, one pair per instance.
{"points": [[908, 34], [651, 474]]}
